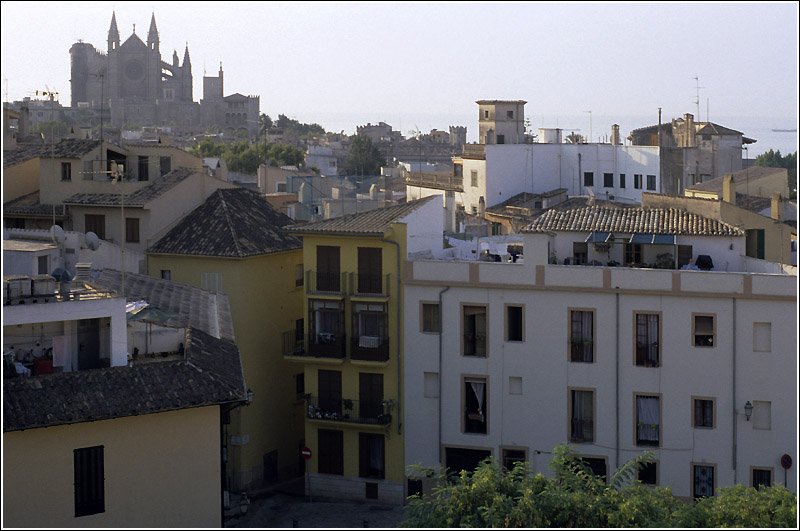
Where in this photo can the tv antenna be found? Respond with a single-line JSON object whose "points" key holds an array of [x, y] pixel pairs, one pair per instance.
{"points": [[697, 97]]}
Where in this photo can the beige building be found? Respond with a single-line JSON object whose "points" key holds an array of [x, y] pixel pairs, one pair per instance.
{"points": [[755, 181], [501, 121]]}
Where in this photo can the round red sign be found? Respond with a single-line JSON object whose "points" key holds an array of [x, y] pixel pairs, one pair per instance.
{"points": [[786, 461], [306, 453]]}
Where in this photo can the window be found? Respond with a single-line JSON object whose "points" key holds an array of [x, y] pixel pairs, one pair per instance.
{"points": [[581, 407], [693, 178], [166, 274], [211, 282], [370, 395], [501, 139], [580, 253], [300, 384], [326, 323], [486, 114], [648, 474], [431, 384], [622, 180], [331, 452], [703, 480], [651, 182], [515, 385], [581, 337], [637, 181], [762, 415], [762, 337], [42, 265], [430, 318], [703, 330], [475, 407], [761, 477], [684, 255], [474, 323], [96, 223], [474, 209], [512, 457], [588, 178], [597, 466], [510, 114], [703, 413], [648, 420], [705, 177], [458, 171], [370, 263], [89, 481], [608, 180], [298, 275], [132, 230], [280, 187], [329, 389], [328, 272], [371, 462], [754, 243], [473, 176], [514, 328], [66, 171], [144, 168], [165, 165], [647, 340], [633, 253]]}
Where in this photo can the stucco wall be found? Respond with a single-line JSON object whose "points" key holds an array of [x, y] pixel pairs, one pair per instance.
{"points": [[161, 470]]}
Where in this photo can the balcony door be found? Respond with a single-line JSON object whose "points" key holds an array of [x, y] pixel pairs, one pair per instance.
{"points": [[328, 268], [370, 394], [330, 391], [369, 269]]}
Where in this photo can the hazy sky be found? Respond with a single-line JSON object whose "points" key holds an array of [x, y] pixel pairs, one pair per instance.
{"points": [[424, 64]]}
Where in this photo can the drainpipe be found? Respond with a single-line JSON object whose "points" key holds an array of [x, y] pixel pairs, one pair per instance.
{"points": [[733, 391], [616, 385], [441, 296], [398, 320]]}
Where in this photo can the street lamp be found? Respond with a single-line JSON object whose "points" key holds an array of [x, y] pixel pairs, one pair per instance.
{"points": [[748, 410]]}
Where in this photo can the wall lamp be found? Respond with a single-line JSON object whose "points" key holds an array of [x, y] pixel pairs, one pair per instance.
{"points": [[748, 410]]}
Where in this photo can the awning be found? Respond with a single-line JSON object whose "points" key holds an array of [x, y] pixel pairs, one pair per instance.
{"points": [[653, 239], [599, 237]]}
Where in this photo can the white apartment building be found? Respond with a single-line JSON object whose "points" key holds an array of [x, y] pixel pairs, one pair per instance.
{"points": [[510, 359]]}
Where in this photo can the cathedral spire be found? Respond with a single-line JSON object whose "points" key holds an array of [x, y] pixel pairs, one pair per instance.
{"points": [[152, 34], [113, 33], [186, 60], [174, 57]]}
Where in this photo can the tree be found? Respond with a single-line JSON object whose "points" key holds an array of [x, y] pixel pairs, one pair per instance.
{"points": [[574, 497], [52, 131], [773, 159], [363, 157]]}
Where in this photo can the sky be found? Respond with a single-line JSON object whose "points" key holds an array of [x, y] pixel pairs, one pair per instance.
{"points": [[422, 65]]}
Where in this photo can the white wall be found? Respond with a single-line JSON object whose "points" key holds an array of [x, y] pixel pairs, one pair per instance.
{"points": [[424, 228]]}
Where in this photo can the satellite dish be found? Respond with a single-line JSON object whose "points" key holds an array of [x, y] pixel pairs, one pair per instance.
{"points": [[92, 241], [61, 275], [57, 234]]}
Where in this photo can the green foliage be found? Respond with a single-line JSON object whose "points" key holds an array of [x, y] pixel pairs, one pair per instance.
{"points": [[52, 131], [363, 157], [574, 497], [245, 157], [774, 159], [301, 129]]}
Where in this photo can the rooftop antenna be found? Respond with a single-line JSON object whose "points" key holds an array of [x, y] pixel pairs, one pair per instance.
{"points": [[590, 126], [697, 98]]}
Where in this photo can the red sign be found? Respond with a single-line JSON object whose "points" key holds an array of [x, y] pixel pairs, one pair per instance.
{"points": [[786, 461], [306, 453]]}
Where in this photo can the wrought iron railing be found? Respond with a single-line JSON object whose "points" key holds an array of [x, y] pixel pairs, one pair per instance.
{"points": [[347, 410], [369, 348]]}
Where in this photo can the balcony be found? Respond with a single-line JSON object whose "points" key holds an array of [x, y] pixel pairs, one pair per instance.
{"points": [[582, 430], [369, 284], [369, 348], [327, 345], [325, 282], [647, 354], [439, 181], [346, 410]]}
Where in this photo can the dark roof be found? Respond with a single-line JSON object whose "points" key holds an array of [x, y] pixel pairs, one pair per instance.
{"points": [[137, 199], [371, 222], [743, 178], [210, 373], [68, 148], [191, 307], [628, 220], [232, 222], [28, 206]]}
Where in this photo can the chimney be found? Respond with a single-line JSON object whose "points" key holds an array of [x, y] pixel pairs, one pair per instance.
{"points": [[728, 189], [776, 207], [481, 207], [689, 124], [615, 135], [373, 192], [449, 211]]}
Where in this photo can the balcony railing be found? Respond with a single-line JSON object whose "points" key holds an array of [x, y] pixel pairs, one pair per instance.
{"points": [[582, 350], [294, 345], [439, 181], [346, 410], [369, 348], [647, 354], [582, 430], [326, 345], [475, 344], [369, 284], [325, 282]]}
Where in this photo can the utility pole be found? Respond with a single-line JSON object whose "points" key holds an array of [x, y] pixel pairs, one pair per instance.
{"points": [[53, 95], [697, 98]]}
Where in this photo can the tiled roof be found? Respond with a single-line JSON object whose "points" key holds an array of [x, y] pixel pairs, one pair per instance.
{"points": [[629, 221], [191, 307], [28, 205], [69, 148], [371, 222], [231, 223], [209, 373], [137, 199], [742, 178], [711, 128]]}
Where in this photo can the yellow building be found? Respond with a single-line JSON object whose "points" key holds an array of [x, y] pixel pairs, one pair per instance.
{"points": [[234, 244], [350, 345]]}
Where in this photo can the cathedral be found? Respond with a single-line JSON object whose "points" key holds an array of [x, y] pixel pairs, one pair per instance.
{"points": [[132, 87]]}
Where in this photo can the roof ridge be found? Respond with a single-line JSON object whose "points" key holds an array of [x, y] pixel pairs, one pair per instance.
{"points": [[229, 221]]}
